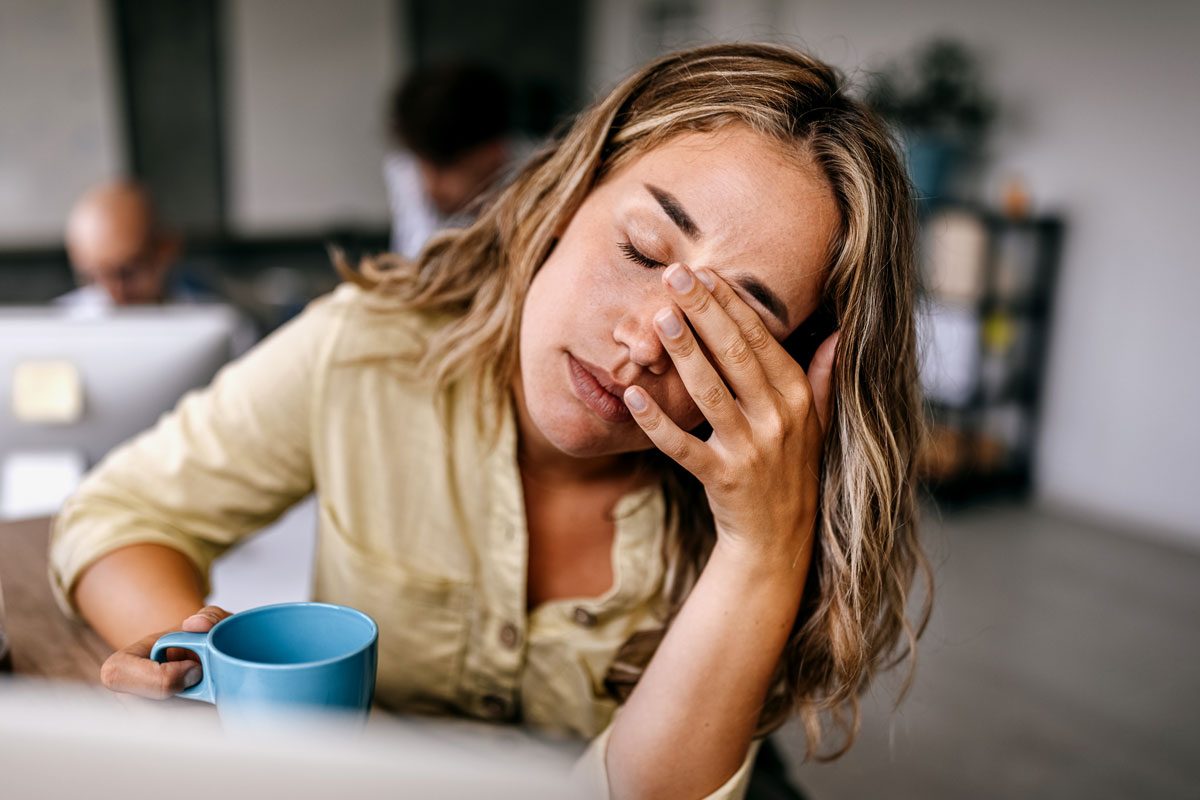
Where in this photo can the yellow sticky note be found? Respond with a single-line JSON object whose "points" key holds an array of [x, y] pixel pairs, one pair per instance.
{"points": [[47, 392]]}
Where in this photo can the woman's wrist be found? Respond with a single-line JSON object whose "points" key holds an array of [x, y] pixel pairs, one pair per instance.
{"points": [[783, 568], [774, 556]]}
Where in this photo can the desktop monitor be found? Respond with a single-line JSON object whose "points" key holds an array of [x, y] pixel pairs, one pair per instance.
{"points": [[60, 740], [102, 379]]}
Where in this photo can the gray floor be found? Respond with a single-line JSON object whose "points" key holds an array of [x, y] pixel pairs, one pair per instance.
{"points": [[1061, 661]]}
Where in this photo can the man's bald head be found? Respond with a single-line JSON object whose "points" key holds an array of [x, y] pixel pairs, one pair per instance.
{"points": [[114, 241]]}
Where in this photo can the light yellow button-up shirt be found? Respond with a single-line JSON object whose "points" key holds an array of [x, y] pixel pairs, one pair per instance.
{"points": [[421, 521]]}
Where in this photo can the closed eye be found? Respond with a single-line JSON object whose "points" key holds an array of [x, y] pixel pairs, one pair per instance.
{"points": [[636, 256], [754, 292]]}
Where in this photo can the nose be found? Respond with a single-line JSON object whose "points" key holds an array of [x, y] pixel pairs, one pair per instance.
{"points": [[635, 331]]}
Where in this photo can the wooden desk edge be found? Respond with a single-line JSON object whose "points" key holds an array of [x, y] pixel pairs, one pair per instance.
{"points": [[44, 642]]}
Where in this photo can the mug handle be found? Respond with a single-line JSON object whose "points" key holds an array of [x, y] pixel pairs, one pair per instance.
{"points": [[198, 644]]}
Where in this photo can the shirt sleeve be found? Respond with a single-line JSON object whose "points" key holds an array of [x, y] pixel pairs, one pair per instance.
{"points": [[228, 460], [590, 774]]}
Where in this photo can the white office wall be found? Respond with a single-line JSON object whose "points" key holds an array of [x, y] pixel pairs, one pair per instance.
{"points": [[1103, 118], [306, 88], [623, 34], [58, 114]]}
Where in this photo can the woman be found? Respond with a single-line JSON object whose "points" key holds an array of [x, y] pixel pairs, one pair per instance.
{"points": [[603, 449]]}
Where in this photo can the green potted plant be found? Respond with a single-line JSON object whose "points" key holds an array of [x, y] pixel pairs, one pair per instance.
{"points": [[938, 100]]}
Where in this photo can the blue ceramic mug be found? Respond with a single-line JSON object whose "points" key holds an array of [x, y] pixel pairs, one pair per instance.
{"points": [[284, 657]]}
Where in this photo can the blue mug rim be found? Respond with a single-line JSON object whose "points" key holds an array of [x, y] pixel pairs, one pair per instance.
{"points": [[299, 664]]}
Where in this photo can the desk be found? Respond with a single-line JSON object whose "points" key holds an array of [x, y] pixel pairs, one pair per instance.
{"points": [[45, 644], [157, 744], [423, 756]]}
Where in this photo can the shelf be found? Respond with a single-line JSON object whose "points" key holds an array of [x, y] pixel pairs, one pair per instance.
{"points": [[987, 303], [1025, 308]]}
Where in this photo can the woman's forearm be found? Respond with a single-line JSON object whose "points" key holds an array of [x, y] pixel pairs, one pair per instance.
{"points": [[137, 590], [687, 726]]}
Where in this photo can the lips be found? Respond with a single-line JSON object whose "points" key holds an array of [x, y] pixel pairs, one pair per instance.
{"points": [[597, 391]]}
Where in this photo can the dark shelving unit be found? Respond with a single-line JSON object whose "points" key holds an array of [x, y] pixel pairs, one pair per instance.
{"points": [[982, 438]]}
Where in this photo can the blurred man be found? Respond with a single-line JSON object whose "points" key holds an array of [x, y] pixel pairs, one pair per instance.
{"points": [[453, 125], [122, 256], [119, 253]]}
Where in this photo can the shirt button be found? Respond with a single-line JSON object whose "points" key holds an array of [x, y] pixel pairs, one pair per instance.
{"points": [[584, 617], [509, 636], [494, 707]]}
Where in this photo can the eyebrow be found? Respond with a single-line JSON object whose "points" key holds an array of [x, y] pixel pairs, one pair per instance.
{"points": [[762, 294], [675, 211], [758, 290]]}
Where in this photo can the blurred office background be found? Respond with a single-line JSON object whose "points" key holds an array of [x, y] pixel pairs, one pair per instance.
{"points": [[1058, 305]]}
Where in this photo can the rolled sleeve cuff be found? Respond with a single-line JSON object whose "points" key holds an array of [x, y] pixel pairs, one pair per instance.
{"points": [[74, 549]]}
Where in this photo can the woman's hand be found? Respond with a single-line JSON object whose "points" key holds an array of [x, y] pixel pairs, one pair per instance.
{"points": [[761, 466], [131, 669]]}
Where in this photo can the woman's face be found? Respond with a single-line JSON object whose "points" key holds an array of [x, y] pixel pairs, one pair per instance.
{"points": [[731, 201]]}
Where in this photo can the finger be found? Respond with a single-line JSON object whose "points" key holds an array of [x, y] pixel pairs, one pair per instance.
{"points": [[735, 356], [130, 672], [142, 647], [204, 619], [685, 449], [700, 378], [820, 378], [772, 355]]}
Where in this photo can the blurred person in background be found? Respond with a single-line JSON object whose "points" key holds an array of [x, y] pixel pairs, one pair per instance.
{"points": [[123, 256], [630, 458], [451, 124], [119, 252]]}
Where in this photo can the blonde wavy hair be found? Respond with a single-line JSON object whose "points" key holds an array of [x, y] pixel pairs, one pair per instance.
{"points": [[853, 622]]}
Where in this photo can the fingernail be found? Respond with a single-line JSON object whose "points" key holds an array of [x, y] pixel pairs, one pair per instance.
{"points": [[635, 399], [192, 677], [669, 323], [707, 279], [680, 278]]}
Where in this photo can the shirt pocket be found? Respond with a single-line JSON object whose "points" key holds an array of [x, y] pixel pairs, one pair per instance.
{"points": [[423, 619]]}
